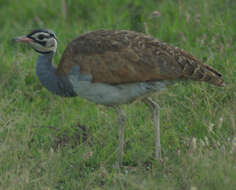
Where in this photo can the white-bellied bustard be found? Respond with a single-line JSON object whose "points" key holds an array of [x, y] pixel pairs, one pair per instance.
{"points": [[112, 67]]}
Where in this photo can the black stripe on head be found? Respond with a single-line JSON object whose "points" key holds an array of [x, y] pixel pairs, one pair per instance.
{"points": [[51, 33], [40, 42]]}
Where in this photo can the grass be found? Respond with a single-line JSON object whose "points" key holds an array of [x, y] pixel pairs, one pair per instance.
{"points": [[48, 142]]}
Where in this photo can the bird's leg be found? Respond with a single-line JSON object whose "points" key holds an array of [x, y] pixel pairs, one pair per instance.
{"points": [[121, 132], [155, 109]]}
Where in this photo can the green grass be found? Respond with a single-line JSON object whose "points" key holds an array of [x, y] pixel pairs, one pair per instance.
{"points": [[48, 142]]}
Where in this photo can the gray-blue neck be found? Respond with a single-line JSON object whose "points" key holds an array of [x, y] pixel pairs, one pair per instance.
{"points": [[49, 79]]}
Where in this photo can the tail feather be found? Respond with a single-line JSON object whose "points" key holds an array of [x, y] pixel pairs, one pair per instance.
{"points": [[216, 77], [194, 69], [207, 74]]}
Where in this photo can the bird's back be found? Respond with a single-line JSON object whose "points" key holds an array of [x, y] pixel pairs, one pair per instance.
{"points": [[119, 57]]}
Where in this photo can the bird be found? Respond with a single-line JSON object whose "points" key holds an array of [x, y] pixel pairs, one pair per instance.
{"points": [[115, 67]]}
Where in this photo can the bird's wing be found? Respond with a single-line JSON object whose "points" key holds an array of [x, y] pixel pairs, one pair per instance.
{"points": [[117, 57]]}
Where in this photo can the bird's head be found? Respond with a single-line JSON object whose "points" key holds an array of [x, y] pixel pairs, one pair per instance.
{"points": [[42, 41]]}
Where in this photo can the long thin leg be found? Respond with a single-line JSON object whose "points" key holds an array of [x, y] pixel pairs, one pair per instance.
{"points": [[121, 132], [155, 109]]}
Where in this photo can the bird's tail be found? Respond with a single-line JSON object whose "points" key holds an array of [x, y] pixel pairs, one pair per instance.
{"points": [[207, 74]]}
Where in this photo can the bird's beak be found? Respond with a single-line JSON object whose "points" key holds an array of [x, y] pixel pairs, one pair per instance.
{"points": [[22, 39]]}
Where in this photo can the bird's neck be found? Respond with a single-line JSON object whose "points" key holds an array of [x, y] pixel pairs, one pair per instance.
{"points": [[49, 79]]}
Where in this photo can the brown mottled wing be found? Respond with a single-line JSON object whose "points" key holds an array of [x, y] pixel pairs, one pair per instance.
{"points": [[117, 57]]}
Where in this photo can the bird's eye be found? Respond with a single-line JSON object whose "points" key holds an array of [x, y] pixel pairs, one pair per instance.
{"points": [[41, 37]]}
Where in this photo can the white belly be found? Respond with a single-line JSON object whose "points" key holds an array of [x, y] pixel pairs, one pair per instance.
{"points": [[107, 94]]}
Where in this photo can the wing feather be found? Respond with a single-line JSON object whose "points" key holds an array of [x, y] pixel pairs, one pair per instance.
{"points": [[117, 57]]}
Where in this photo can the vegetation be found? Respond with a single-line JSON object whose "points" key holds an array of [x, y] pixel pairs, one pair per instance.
{"points": [[48, 142]]}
